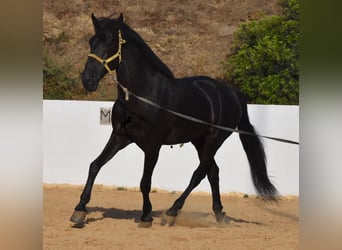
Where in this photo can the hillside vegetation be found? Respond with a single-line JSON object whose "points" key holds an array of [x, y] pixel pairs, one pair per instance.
{"points": [[265, 62], [191, 37]]}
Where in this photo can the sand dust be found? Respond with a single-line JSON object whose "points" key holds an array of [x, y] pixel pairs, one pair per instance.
{"points": [[112, 222]]}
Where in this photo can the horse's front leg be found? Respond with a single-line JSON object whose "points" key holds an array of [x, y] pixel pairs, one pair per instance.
{"points": [[116, 142], [151, 157]]}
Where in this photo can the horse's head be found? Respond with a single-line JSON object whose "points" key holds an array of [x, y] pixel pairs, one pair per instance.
{"points": [[105, 51]]}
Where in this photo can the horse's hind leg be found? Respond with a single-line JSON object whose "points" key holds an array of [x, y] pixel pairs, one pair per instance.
{"points": [[196, 178], [213, 177], [206, 148], [115, 143], [206, 151]]}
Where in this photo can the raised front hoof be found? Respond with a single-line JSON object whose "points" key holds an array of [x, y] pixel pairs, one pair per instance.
{"points": [[221, 218], [78, 217], [168, 220]]}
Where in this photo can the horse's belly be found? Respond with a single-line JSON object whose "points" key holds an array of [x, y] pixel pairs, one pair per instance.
{"points": [[184, 134]]}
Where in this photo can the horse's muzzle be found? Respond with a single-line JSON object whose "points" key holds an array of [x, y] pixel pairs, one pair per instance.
{"points": [[89, 82]]}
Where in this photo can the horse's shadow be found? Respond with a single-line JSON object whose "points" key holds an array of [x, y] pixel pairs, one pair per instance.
{"points": [[117, 213], [122, 214]]}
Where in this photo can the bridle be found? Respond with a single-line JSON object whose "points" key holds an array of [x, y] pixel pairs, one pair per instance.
{"points": [[105, 62]]}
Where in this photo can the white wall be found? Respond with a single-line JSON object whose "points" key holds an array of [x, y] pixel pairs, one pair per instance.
{"points": [[73, 137]]}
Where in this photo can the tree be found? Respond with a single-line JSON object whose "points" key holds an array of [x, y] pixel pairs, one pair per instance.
{"points": [[265, 59]]}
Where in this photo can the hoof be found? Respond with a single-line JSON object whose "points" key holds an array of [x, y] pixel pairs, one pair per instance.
{"points": [[78, 217], [167, 219], [221, 218], [145, 224]]}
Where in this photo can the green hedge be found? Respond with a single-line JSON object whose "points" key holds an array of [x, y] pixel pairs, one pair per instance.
{"points": [[265, 59]]}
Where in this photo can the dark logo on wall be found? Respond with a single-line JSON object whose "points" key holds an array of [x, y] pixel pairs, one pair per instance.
{"points": [[105, 116]]}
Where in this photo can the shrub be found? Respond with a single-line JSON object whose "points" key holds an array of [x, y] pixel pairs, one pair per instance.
{"points": [[56, 82], [265, 59]]}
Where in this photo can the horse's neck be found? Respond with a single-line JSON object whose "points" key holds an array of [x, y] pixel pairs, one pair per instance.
{"points": [[136, 73]]}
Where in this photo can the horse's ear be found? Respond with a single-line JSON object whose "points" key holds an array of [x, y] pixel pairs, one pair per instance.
{"points": [[120, 19], [95, 21]]}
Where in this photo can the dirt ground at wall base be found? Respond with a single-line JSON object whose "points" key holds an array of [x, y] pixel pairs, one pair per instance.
{"points": [[112, 221]]}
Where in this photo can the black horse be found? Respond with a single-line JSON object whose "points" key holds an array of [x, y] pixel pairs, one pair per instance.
{"points": [[140, 73]]}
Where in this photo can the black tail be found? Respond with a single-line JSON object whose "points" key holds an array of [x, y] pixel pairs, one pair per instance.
{"points": [[256, 156]]}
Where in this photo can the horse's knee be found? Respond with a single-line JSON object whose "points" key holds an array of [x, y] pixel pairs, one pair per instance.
{"points": [[94, 168]]}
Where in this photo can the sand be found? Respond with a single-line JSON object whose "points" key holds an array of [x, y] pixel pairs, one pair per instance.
{"points": [[112, 222]]}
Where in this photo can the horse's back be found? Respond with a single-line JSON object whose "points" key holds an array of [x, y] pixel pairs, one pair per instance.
{"points": [[210, 99], [206, 99]]}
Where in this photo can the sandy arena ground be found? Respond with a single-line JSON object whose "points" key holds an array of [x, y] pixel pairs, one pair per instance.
{"points": [[112, 222]]}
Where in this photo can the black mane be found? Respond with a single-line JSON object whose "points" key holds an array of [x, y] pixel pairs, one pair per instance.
{"points": [[147, 51], [150, 56]]}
